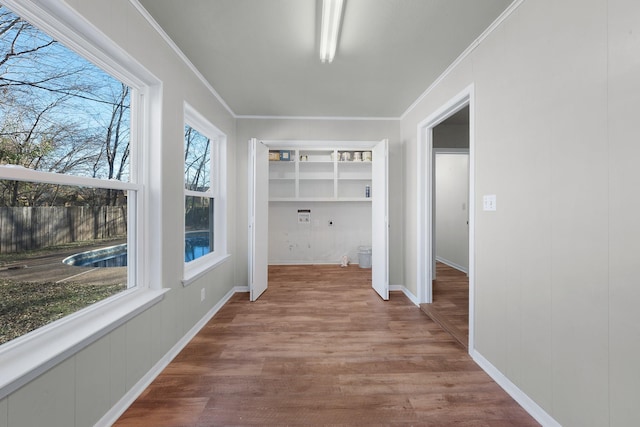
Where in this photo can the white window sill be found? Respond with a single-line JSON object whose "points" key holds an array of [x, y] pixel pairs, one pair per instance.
{"points": [[199, 269], [27, 357]]}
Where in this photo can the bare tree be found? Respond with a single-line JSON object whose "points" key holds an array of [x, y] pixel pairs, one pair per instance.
{"points": [[117, 148], [197, 158], [58, 113]]}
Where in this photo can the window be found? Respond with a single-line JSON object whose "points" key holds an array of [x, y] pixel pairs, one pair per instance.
{"points": [[72, 138], [68, 185], [204, 195]]}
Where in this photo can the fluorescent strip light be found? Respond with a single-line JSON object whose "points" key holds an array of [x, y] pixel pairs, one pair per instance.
{"points": [[330, 27]]}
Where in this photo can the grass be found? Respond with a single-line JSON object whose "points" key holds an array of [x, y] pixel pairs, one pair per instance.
{"points": [[25, 307]]}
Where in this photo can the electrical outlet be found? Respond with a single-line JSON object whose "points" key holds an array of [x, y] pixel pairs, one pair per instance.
{"points": [[202, 294]]}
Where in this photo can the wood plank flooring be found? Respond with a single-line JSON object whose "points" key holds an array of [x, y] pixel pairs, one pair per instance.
{"points": [[450, 306], [321, 348]]}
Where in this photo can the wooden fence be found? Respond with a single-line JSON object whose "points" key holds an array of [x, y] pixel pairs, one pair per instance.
{"points": [[27, 228]]}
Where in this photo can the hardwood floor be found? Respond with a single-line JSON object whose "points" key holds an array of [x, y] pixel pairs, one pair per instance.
{"points": [[450, 306], [321, 348]]}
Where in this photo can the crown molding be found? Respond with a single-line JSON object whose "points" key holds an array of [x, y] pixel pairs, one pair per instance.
{"points": [[317, 118], [495, 24], [490, 29], [176, 49]]}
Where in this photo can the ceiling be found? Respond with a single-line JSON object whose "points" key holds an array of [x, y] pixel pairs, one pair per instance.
{"points": [[261, 56]]}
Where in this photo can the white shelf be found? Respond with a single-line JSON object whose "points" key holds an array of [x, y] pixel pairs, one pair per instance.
{"points": [[354, 199], [317, 174], [283, 199], [320, 199], [359, 177]]}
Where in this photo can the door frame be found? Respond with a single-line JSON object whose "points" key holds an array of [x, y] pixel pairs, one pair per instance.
{"points": [[424, 197], [382, 287]]}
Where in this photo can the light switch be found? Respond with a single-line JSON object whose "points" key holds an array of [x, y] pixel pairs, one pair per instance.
{"points": [[489, 202]]}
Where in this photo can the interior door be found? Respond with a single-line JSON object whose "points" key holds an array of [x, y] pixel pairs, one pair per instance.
{"points": [[258, 218], [380, 219]]}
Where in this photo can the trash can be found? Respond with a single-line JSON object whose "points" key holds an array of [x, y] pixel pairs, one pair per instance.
{"points": [[364, 256]]}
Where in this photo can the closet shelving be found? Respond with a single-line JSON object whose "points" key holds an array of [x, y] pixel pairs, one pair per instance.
{"points": [[319, 174]]}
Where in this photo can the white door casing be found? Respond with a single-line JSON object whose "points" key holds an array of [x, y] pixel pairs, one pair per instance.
{"points": [[425, 222]]}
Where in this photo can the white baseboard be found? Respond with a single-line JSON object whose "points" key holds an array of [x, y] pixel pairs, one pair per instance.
{"points": [[518, 395], [118, 409], [405, 291], [309, 262], [121, 406], [452, 264]]}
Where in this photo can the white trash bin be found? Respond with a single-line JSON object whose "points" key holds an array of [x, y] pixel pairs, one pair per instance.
{"points": [[364, 256]]}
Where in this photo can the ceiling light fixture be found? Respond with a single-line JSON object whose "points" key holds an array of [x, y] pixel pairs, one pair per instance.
{"points": [[330, 28]]}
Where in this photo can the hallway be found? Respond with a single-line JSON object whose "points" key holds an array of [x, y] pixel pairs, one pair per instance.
{"points": [[450, 306]]}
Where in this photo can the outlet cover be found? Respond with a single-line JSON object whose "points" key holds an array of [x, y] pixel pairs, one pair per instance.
{"points": [[202, 294], [304, 216]]}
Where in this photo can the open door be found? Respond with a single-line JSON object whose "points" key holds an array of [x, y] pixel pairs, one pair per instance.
{"points": [[258, 218], [380, 220]]}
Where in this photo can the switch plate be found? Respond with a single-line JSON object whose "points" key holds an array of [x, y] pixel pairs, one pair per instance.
{"points": [[489, 202]]}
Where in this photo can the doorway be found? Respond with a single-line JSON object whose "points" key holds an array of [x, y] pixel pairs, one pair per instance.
{"points": [[296, 181], [450, 200], [457, 112]]}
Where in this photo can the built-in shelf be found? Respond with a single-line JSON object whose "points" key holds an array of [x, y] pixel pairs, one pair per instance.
{"points": [[319, 174]]}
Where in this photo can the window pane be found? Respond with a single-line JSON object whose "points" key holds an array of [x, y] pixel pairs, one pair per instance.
{"points": [[197, 160], [59, 113], [198, 227], [62, 248]]}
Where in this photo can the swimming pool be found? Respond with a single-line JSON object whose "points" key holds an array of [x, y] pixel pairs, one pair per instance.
{"points": [[112, 256], [196, 245]]}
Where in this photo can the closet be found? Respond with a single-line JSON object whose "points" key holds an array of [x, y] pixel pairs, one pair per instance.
{"points": [[314, 202]]}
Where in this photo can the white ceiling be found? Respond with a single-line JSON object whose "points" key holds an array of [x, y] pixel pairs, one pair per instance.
{"points": [[261, 56]]}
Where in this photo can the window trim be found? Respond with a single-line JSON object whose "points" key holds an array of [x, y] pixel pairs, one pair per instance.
{"points": [[217, 191], [27, 357]]}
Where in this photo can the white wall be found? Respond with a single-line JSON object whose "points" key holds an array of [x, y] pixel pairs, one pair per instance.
{"points": [[318, 242], [556, 96], [452, 209], [81, 389], [324, 130]]}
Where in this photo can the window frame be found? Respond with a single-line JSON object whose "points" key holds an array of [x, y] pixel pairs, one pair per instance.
{"points": [[27, 357], [217, 192], [134, 192]]}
